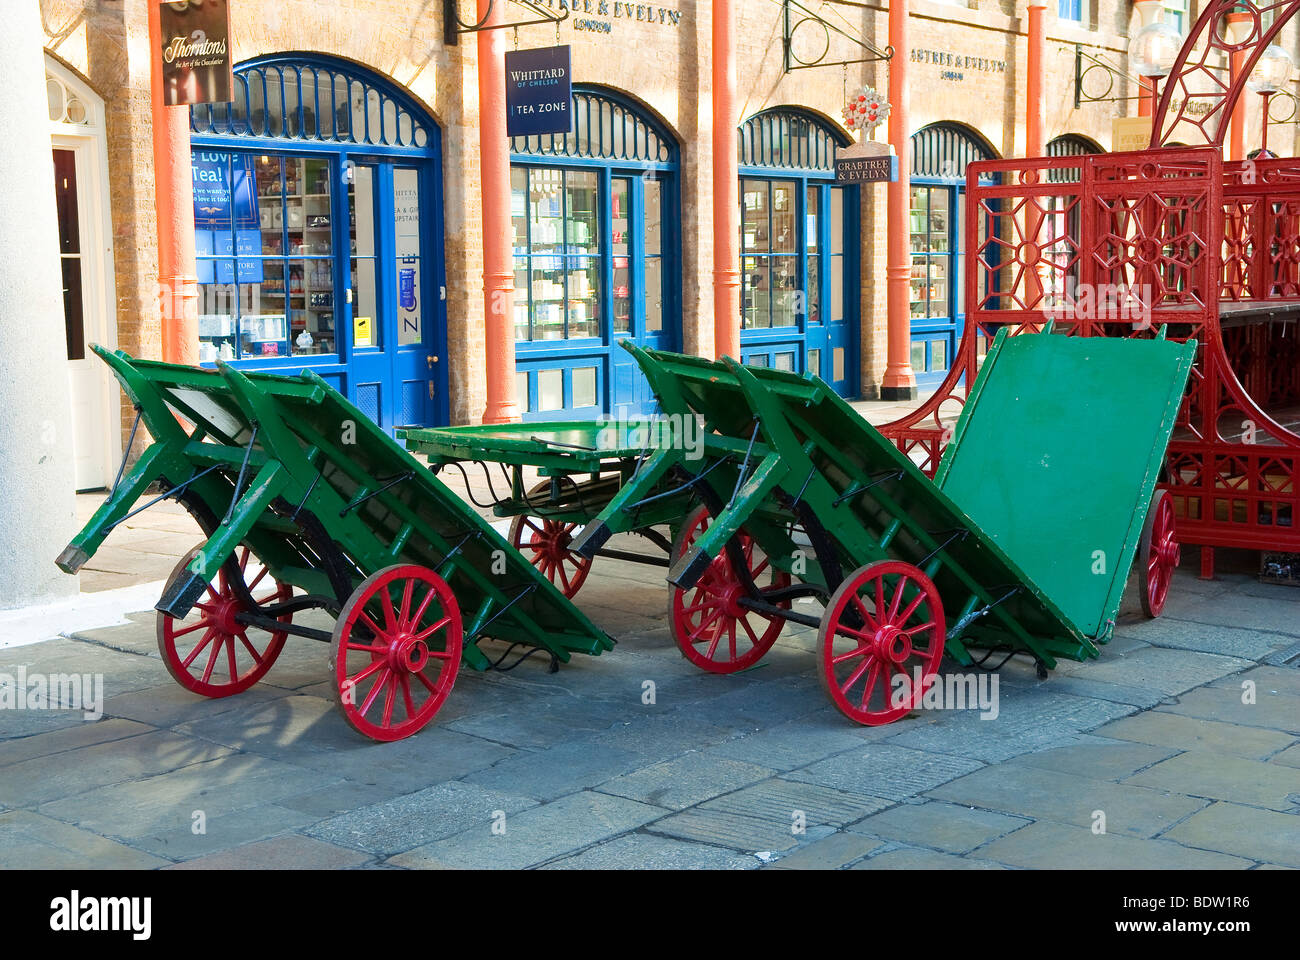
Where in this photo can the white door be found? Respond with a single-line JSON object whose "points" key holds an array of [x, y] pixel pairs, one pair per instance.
{"points": [[80, 186]]}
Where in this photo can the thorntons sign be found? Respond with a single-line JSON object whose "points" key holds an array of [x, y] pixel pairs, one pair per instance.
{"points": [[196, 60]]}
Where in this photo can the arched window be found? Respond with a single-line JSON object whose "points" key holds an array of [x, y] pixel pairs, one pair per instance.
{"points": [[940, 153], [318, 218], [596, 217], [799, 248]]}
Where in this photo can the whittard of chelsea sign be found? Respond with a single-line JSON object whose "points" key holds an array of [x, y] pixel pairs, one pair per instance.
{"points": [[539, 92]]}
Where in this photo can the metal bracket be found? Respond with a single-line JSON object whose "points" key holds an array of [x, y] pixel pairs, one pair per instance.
{"points": [[453, 26], [1110, 71], [795, 15]]}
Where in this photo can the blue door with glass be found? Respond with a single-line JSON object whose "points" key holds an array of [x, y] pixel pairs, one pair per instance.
{"points": [[596, 218], [937, 228], [319, 235], [799, 248]]}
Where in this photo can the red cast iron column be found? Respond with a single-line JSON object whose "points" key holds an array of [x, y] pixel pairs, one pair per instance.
{"points": [[174, 197], [726, 186], [1034, 81], [494, 182], [899, 383]]}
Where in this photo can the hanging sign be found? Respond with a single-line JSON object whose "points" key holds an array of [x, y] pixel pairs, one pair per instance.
{"points": [[866, 162], [196, 60], [1130, 133], [539, 92]]}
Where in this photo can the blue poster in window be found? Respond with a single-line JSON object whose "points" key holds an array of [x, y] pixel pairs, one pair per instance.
{"points": [[539, 92], [406, 288], [246, 245], [203, 248], [224, 188]]}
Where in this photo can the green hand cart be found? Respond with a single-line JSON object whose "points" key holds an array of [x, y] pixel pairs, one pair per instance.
{"points": [[1022, 544], [582, 466], [306, 504]]}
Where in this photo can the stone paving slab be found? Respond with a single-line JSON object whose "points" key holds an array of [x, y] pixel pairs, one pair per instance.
{"points": [[643, 851], [225, 831], [1190, 733], [1263, 835], [739, 832], [1047, 845], [170, 704], [535, 835], [943, 826], [1218, 776], [1270, 680], [291, 852], [409, 821], [1289, 757], [31, 841], [792, 744], [829, 853], [685, 781], [556, 771], [1033, 792], [167, 802], [915, 858], [886, 770], [69, 738], [1098, 759], [1168, 631], [1274, 711], [786, 803], [1168, 671], [73, 772]]}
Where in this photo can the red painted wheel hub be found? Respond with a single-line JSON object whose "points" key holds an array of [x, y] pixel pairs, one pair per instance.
{"points": [[710, 626], [397, 649], [882, 630], [210, 652]]}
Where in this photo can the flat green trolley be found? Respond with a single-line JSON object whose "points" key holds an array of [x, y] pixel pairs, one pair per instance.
{"points": [[306, 504], [1022, 544], [582, 465]]}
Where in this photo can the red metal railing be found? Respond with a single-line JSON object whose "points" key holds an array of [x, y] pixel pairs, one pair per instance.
{"points": [[1123, 245]]}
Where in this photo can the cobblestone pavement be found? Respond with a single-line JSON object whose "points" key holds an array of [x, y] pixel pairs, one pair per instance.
{"points": [[1182, 741]]}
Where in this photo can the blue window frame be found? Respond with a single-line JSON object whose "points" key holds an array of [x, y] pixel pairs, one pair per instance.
{"points": [[596, 218], [799, 249], [940, 153], [318, 219]]}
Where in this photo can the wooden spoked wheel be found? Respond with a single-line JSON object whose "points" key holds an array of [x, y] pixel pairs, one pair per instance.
{"points": [[711, 628], [210, 652], [396, 651], [880, 642]]}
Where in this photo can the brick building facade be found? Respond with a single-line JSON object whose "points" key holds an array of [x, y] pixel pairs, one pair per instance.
{"points": [[967, 66]]}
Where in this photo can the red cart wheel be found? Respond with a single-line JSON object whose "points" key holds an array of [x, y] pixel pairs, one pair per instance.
{"points": [[1159, 554], [709, 626], [546, 545], [209, 652], [397, 647], [885, 620]]}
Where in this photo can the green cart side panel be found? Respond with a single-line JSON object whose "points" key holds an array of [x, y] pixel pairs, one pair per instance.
{"points": [[1056, 454], [330, 455], [847, 451]]}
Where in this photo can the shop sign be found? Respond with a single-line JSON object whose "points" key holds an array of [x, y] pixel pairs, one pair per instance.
{"points": [[1130, 133], [867, 162], [196, 60], [539, 92]]}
